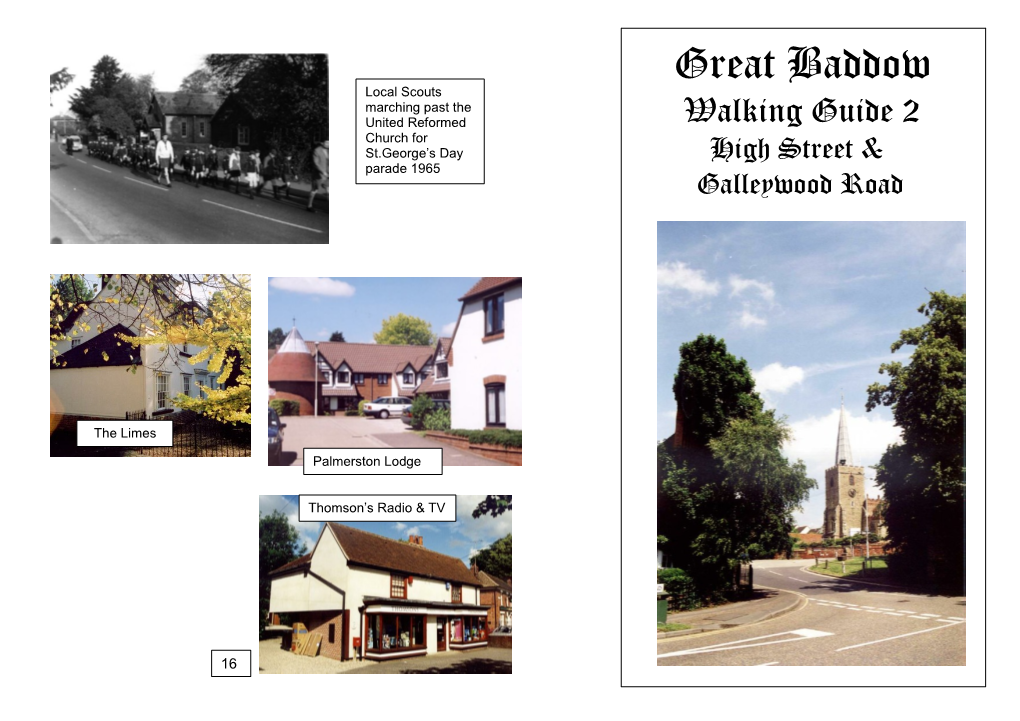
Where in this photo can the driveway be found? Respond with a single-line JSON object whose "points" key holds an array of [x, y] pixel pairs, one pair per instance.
{"points": [[363, 432]]}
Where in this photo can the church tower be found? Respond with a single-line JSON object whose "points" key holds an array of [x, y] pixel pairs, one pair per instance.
{"points": [[844, 489]]}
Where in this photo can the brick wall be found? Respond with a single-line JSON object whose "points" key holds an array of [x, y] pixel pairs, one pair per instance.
{"points": [[319, 622]]}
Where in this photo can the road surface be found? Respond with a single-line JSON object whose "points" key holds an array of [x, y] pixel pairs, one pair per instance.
{"points": [[841, 624], [92, 201]]}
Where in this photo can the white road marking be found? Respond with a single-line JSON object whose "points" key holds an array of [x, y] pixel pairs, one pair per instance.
{"points": [[103, 169], [893, 638], [264, 217], [956, 618], [147, 185], [923, 618], [770, 663], [929, 615], [81, 161], [892, 613], [875, 611], [69, 214], [801, 635]]}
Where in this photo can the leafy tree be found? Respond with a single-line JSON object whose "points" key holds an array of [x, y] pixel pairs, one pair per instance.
{"points": [[421, 407], [209, 311], [276, 337], [726, 492], [58, 81], [71, 291], [202, 81], [288, 93], [278, 545], [337, 337], [498, 559], [403, 329], [494, 506], [923, 478]]}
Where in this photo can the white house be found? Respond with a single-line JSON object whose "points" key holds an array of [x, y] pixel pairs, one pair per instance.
{"points": [[486, 378], [388, 598], [98, 374]]}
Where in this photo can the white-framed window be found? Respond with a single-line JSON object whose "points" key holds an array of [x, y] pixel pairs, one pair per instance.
{"points": [[408, 378], [243, 135], [187, 384], [495, 404], [184, 128], [75, 342], [328, 375], [162, 391], [201, 128], [442, 370], [184, 348], [343, 378]]}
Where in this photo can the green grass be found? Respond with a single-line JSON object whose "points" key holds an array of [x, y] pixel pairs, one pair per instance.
{"points": [[672, 627], [877, 568]]}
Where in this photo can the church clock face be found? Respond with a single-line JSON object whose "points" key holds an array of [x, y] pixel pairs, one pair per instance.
{"points": [[852, 492]]}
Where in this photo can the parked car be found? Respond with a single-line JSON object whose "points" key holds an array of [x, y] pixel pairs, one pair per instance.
{"points": [[387, 406], [275, 437], [437, 404]]}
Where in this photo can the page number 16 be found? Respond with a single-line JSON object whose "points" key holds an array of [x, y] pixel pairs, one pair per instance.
{"points": [[230, 663]]}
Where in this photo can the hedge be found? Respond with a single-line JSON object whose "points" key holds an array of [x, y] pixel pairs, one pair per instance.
{"points": [[683, 594], [495, 437], [285, 407]]}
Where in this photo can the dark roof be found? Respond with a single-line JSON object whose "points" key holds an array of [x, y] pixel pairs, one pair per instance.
{"points": [[373, 357], [368, 549], [493, 582], [432, 385], [180, 103], [487, 284], [90, 353], [293, 565]]}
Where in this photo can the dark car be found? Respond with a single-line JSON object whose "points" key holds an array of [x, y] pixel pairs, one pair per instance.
{"points": [[275, 437], [438, 404]]}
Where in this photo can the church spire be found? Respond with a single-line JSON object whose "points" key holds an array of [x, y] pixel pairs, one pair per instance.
{"points": [[843, 455]]}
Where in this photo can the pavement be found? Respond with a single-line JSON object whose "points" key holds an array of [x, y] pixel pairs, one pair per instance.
{"points": [[342, 431], [92, 201], [766, 604]]}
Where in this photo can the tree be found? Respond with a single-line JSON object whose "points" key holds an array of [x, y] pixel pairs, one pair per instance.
{"points": [[276, 337], [337, 337], [403, 329], [725, 492], [287, 94], [923, 478], [212, 312], [202, 81], [72, 291], [498, 559], [278, 544], [58, 81], [494, 506]]}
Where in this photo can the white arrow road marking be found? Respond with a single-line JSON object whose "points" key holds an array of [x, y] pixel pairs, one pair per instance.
{"points": [[956, 618], [902, 635], [801, 634]]}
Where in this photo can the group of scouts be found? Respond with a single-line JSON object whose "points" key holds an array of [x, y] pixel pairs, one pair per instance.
{"points": [[213, 168]]}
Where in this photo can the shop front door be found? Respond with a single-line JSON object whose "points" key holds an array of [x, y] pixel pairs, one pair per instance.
{"points": [[441, 634]]}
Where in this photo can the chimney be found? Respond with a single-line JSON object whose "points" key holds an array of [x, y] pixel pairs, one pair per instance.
{"points": [[416, 541]]}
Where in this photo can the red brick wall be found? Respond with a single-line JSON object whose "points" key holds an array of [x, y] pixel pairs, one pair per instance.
{"points": [[295, 391], [318, 622]]}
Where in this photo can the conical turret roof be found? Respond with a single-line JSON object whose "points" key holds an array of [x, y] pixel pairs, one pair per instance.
{"points": [[294, 343], [844, 457]]}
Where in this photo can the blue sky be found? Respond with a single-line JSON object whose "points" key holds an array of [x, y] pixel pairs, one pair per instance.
{"points": [[357, 306], [813, 308], [460, 539]]}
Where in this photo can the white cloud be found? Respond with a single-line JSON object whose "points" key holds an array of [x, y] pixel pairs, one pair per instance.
{"points": [[678, 276], [323, 333], [313, 286], [749, 319], [447, 330], [480, 530], [738, 285], [777, 378]]}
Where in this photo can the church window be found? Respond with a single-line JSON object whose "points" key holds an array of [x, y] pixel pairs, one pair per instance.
{"points": [[851, 480]]}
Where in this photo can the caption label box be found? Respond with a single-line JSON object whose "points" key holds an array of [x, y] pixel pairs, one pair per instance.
{"points": [[125, 433], [420, 131], [391, 507], [373, 461], [235, 662]]}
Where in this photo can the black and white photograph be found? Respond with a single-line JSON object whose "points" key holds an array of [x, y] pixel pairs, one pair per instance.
{"points": [[165, 148]]}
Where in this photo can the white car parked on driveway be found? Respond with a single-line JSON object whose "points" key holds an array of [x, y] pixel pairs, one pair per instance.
{"points": [[387, 406]]}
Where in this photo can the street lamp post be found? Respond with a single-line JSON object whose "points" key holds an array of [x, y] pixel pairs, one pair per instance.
{"points": [[315, 379]]}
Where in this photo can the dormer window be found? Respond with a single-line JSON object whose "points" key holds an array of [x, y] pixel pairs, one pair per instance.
{"points": [[408, 378], [343, 377], [442, 370]]}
